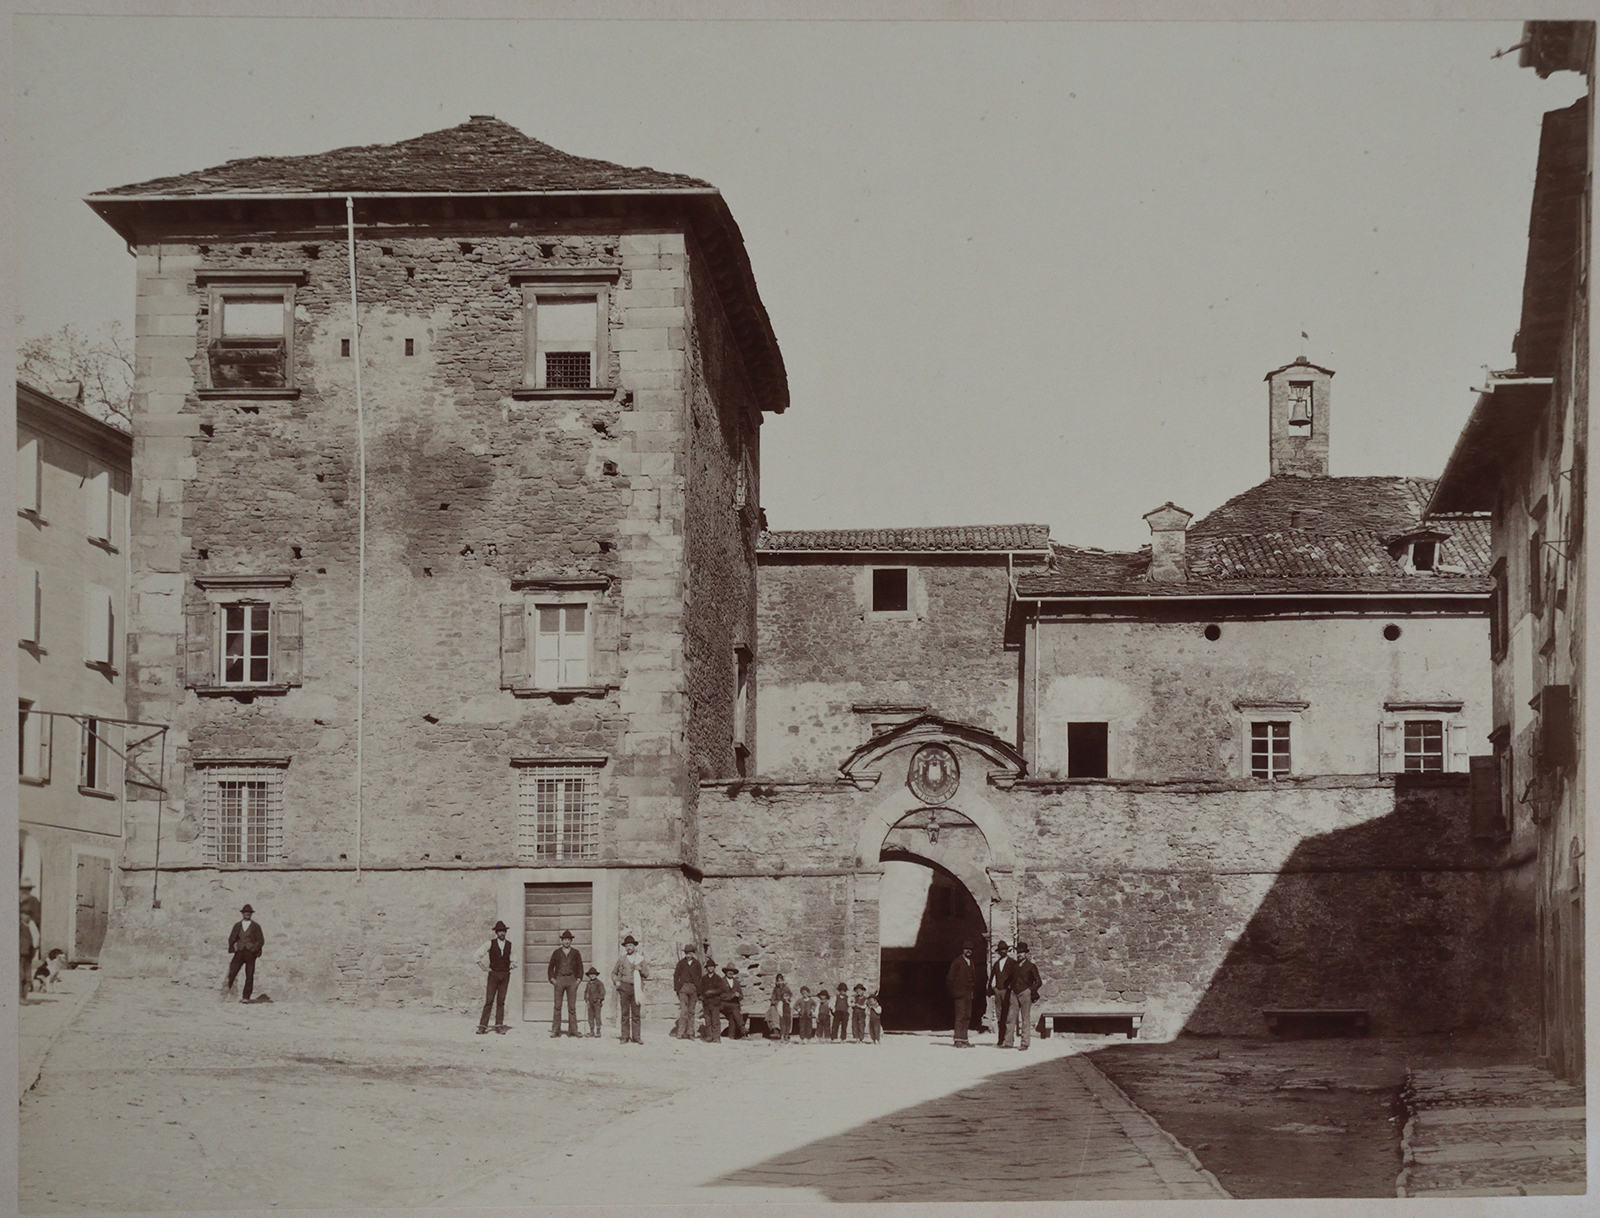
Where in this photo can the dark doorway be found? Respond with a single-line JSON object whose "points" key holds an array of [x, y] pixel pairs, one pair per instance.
{"points": [[918, 944]]}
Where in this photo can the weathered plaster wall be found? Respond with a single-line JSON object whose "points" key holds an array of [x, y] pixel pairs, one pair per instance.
{"points": [[1168, 692], [824, 651], [1200, 902]]}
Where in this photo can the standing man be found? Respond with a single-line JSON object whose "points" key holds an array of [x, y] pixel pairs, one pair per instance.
{"points": [[628, 976], [1025, 983], [245, 941], [714, 991], [494, 957], [686, 985], [959, 981], [1000, 974], [566, 975]]}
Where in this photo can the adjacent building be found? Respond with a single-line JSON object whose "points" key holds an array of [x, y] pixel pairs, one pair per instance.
{"points": [[445, 510], [73, 474], [1224, 775], [1523, 456]]}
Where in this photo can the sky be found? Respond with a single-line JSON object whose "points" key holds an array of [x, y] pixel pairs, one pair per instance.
{"points": [[1019, 272]]}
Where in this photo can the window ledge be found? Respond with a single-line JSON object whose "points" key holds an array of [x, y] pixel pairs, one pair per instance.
{"points": [[245, 580], [588, 862], [567, 692], [32, 515], [96, 792], [547, 759], [31, 780], [256, 394], [597, 393], [102, 667], [212, 691], [103, 543]]}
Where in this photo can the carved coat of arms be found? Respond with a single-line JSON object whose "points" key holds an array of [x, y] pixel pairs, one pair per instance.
{"points": [[934, 774]]}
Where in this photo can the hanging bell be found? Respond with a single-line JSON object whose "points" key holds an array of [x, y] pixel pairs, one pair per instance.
{"points": [[1300, 412]]}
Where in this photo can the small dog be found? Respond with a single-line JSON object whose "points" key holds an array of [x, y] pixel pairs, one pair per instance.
{"points": [[48, 975]]}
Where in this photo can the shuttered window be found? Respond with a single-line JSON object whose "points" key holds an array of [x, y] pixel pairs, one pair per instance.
{"points": [[30, 585], [561, 646], [99, 627], [97, 504]]}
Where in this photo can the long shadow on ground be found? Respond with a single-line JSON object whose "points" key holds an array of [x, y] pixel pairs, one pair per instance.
{"points": [[1032, 1134]]}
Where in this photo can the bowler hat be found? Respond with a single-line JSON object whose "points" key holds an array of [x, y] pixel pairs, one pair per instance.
{"points": [[1022, 949], [688, 947], [730, 968], [593, 972], [566, 934], [500, 926], [968, 945], [629, 939], [247, 910], [1002, 946]]}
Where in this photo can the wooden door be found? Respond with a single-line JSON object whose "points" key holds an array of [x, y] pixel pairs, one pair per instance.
{"points": [[93, 906], [549, 909]]}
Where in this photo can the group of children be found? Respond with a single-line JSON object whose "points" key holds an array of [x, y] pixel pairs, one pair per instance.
{"points": [[822, 1016]]}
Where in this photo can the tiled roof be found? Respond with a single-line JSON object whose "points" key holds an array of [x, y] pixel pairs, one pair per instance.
{"points": [[1337, 544], [483, 154], [959, 538]]}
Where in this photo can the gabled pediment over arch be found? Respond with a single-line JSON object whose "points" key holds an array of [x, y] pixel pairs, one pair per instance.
{"points": [[1002, 764]]}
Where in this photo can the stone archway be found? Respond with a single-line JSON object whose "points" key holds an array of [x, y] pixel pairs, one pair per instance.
{"points": [[926, 912]]}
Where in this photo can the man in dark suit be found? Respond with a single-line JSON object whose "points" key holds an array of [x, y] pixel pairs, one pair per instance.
{"points": [[494, 957], [686, 984], [245, 941], [566, 974], [959, 981], [1001, 972], [1025, 983]]}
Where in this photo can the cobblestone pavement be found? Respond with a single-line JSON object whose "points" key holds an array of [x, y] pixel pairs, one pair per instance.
{"points": [[909, 1120], [1498, 1131], [162, 1096]]}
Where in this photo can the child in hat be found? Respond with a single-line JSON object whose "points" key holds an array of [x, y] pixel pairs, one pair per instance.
{"points": [[594, 997], [732, 1005], [841, 1013], [824, 1014], [858, 1014], [875, 1017]]}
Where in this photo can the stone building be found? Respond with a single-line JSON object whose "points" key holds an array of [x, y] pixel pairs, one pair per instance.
{"points": [[1223, 775], [445, 505], [72, 663], [1523, 456]]}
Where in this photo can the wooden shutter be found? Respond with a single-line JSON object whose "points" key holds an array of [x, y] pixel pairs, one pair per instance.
{"points": [[1390, 746], [605, 667], [97, 625], [97, 509], [513, 645], [1486, 819], [574, 646], [28, 476], [1456, 758], [27, 603], [47, 733], [286, 643], [199, 650]]}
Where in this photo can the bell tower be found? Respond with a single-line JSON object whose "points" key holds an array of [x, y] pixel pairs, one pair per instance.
{"points": [[1298, 400]]}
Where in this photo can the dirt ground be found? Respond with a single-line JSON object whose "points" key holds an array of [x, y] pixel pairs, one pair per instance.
{"points": [[186, 1102], [1289, 1118]]}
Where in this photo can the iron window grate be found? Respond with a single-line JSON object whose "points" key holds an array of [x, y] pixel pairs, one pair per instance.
{"points": [[558, 813], [566, 370], [244, 814]]}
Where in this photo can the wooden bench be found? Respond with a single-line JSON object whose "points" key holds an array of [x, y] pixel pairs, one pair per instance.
{"points": [[1105, 1019], [1317, 1021]]}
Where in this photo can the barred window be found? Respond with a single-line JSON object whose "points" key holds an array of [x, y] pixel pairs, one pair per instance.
{"points": [[244, 814], [1269, 749], [1424, 746], [566, 369], [558, 813]]}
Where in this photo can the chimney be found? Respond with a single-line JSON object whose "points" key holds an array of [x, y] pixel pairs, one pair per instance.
{"points": [[1167, 524], [1298, 396]]}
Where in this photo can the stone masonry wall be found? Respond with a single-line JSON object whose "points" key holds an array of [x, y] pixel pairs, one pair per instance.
{"points": [[823, 651], [467, 488], [1200, 903]]}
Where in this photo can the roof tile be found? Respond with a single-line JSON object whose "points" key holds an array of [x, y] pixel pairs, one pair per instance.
{"points": [[957, 538], [483, 154]]}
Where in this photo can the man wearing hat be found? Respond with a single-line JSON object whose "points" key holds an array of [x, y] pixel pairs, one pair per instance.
{"points": [[628, 976], [959, 981], [714, 991], [686, 985], [245, 941], [1025, 983], [733, 1002], [1000, 974], [566, 974], [494, 957]]}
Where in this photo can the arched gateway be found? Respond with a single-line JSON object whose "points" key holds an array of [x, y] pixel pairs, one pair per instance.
{"points": [[945, 855]]}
